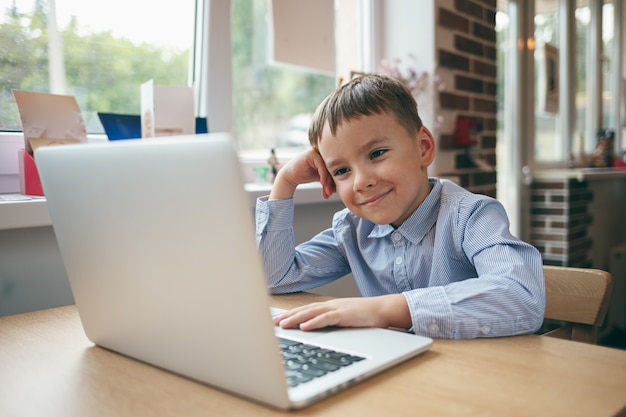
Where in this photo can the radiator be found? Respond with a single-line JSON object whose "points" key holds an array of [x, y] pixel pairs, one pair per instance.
{"points": [[616, 314]]}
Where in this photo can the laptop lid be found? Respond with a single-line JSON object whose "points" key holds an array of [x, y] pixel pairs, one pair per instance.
{"points": [[157, 237], [121, 126]]}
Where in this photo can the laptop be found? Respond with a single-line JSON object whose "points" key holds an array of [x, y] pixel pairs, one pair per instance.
{"points": [[158, 241], [128, 126], [121, 126]]}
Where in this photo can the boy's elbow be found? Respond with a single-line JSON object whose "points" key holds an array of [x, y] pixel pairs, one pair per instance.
{"points": [[537, 309], [537, 319], [531, 319]]}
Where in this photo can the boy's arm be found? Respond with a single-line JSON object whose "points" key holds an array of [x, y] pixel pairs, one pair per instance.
{"points": [[507, 295], [304, 168], [315, 262], [288, 268]]}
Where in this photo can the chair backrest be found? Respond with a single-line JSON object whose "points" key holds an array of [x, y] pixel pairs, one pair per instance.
{"points": [[579, 297]]}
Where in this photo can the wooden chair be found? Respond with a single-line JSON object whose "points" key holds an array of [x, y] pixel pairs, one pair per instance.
{"points": [[577, 299]]}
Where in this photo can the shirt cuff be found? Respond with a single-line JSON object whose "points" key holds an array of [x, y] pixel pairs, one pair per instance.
{"points": [[431, 313], [273, 214]]}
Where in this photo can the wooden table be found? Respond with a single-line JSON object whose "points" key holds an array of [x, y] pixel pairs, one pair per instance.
{"points": [[49, 368]]}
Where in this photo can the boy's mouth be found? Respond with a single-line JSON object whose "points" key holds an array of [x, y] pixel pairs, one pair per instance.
{"points": [[372, 201]]}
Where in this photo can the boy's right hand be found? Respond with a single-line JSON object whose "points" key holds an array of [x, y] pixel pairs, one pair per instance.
{"points": [[305, 168]]}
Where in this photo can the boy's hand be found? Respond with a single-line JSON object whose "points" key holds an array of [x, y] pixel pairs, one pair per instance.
{"points": [[383, 311], [304, 168]]}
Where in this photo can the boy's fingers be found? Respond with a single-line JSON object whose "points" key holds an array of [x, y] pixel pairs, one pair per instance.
{"points": [[295, 317], [328, 185], [320, 321], [309, 317]]}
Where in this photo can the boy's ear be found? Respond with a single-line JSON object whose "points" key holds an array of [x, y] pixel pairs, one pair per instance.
{"points": [[427, 144]]}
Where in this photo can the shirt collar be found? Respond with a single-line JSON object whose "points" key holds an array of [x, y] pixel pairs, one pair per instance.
{"points": [[420, 222]]}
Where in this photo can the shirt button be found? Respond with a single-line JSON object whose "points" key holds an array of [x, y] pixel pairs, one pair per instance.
{"points": [[398, 260], [433, 328], [396, 236], [485, 329]]}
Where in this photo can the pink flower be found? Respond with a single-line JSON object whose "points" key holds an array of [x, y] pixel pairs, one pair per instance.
{"points": [[416, 81]]}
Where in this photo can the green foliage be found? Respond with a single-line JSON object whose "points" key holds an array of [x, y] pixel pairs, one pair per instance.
{"points": [[266, 95], [103, 72]]}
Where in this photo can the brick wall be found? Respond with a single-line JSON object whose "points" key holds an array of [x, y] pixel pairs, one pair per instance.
{"points": [[466, 57], [560, 221]]}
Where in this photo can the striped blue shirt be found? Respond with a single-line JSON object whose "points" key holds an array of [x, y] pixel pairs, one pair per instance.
{"points": [[462, 272]]}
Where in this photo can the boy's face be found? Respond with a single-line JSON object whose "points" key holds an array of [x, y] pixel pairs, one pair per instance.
{"points": [[379, 169]]}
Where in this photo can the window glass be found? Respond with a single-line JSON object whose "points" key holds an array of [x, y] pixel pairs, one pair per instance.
{"points": [[99, 52], [582, 16], [272, 103], [587, 143], [548, 143], [505, 49], [609, 119], [503, 42]]}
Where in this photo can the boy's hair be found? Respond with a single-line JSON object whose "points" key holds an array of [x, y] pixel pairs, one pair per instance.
{"points": [[363, 96]]}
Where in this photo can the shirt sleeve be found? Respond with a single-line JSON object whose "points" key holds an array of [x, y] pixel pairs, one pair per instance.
{"points": [[290, 267], [505, 297]]}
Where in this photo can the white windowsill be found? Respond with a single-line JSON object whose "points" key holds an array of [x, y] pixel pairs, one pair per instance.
{"points": [[19, 211]]}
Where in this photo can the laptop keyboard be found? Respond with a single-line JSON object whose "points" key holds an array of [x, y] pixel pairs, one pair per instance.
{"points": [[305, 362]]}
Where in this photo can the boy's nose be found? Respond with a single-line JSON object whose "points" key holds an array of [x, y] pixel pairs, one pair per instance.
{"points": [[363, 179]]}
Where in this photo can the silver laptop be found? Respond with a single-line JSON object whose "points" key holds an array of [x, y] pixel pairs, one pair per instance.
{"points": [[157, 237]]}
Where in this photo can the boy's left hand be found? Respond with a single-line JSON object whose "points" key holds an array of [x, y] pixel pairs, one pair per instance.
{"points": [[383, 311], [306, 167]]}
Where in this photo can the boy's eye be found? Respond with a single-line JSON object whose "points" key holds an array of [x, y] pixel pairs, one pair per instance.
{"points": [[377, 153], [340, 171]]}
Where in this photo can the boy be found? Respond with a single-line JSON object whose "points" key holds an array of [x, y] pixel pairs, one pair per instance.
{"points": [[426, 254]]}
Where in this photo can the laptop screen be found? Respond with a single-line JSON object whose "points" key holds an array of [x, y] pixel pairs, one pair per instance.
{"points": [[121, 126]]}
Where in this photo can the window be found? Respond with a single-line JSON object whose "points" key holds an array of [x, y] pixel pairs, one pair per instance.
{"points": [[577, 76], [582, 25], [99, 52], [595, 79], [610, 120], [548, 146], [587, 37], [273, 102]]}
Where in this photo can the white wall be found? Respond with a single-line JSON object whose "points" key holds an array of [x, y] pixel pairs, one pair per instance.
{"points": [[408, 29], [32, 275], [311, 219]]}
